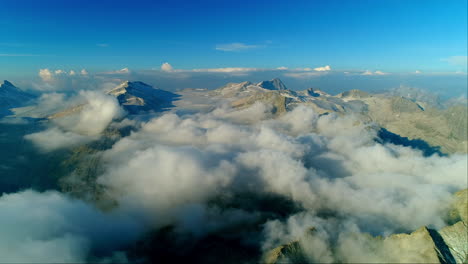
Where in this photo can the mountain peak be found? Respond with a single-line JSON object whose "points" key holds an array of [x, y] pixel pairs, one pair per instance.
{"points": [[11, 96], [275, 84], [7, 84], [127, 86], [138, 96]]}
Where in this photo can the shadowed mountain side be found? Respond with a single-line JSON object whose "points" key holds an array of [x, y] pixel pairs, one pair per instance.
{"points": [[11, 96], [136, 97], [386, 136], [22, 166]]}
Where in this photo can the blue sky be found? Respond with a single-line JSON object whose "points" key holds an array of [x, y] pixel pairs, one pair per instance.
{"points": [[384, 35]]}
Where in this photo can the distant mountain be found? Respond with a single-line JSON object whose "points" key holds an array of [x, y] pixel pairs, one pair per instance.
{"points": [[414, 121], [11, 96], [134, 97], [138, 96], [275, 84]]}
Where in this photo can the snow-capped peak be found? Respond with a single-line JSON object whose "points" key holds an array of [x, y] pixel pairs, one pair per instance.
{"points": [[275, 84]]}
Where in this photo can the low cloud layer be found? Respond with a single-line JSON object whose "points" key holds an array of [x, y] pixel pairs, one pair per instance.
{"points": [[78, 121], [53, 228], [176, 169], [326, 163]]}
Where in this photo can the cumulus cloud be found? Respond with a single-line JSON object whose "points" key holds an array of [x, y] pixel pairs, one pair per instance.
{"points": [[93, 115], [60, 80], [45, 74], [324, 68], [367, 72], [51, 75], [166, 67], [123, 71], [81, 120], [301, 156], [177, 169], [236, 46]]}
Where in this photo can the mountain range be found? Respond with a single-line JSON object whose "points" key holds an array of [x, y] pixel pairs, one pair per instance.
{"points": [[417, 123]]}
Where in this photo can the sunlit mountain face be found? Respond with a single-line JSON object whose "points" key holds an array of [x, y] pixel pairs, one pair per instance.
{"points": [[234, 132]]}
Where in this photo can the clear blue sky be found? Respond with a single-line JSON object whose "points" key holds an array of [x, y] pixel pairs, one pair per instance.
{"points": [[387, 35]]}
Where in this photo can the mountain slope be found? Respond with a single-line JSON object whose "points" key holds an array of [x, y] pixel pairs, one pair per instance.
{"points": [[138, 96], [11, 96]]}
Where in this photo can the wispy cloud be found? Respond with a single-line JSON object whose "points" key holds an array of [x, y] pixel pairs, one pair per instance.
{"points": [[302, 73], [10, 44], [228, 70], [237, 46], [457, 60], [306, 74], [102, 45], [166, 67], [374, 73], [121, 71], [18, 55]]}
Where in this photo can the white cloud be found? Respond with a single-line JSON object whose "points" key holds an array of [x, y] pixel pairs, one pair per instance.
{"points": [[166, 67], [55, 138], [95, 112], [305, 74], [236, 46], [367, 72], [417, 72], [48, 75], [380, 73], [457, 60], [124, 70], [175, 167], [102, 45], [53, 228], [321, 162], [227, 70], [324, 68], [57, 72], [302, 73], [45, 74]]}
